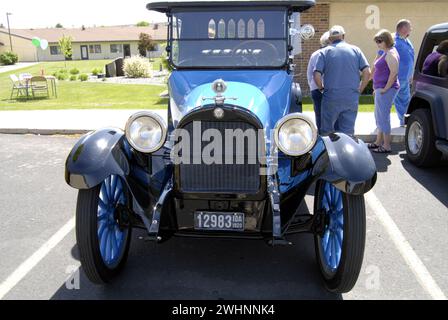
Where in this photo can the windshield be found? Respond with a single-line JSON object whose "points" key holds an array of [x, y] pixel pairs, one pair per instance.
{"points": [[229, 38]]}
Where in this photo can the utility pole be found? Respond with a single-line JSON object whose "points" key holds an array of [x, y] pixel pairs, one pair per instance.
{"points": [[9, 29]]}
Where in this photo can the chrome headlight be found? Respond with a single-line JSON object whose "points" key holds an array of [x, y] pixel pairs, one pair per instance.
{"points": [[295, 135], [146, 132]]}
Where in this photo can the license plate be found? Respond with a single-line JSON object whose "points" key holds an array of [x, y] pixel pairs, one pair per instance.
{"points": [[222, 221]]}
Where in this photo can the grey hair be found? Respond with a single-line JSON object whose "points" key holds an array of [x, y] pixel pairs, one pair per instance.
{"points": [[325, 39], [402, 23]]}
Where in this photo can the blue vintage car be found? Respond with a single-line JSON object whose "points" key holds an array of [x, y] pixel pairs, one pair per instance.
{"points": [[235, 157]]}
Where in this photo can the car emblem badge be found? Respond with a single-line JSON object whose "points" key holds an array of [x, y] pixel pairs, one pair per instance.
{"points": [[218, 113]]}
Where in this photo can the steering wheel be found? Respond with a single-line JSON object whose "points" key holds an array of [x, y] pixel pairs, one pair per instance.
{"points": [[258, 44]]}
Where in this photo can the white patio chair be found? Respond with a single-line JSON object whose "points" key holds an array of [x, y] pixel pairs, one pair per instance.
{"points": [[17, 86], [39, 84]]}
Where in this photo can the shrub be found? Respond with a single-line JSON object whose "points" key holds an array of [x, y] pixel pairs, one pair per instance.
{"points": [[83, 77], [143, 24], [73, 77], [137, 67], [62, 76], [74, 71], [8, 58], [96, 71]]}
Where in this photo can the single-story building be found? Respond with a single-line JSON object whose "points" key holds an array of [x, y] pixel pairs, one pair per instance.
{"points": [[362, 19], [88, 43]]}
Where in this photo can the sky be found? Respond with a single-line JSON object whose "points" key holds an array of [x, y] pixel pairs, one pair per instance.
{"points": [[47, 13]]}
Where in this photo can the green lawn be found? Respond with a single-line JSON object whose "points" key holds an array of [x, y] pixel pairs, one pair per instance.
{"points": [[366, 104], [83, 95], [156, 62]]}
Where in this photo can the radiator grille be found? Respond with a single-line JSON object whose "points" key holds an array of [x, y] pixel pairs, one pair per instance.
{"points": [[222, 178]]}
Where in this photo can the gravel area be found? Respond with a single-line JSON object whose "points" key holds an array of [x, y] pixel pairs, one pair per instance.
{"points": [[158, 78]]}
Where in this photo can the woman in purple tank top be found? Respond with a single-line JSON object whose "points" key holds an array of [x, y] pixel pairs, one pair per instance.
{"points": [[386, 85]]}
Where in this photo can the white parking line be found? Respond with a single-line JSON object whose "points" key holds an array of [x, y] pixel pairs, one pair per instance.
{"points": [[409, 255], [19, 273]]}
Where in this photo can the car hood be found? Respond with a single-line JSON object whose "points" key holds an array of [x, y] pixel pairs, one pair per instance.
{"points": [[266, 93]]}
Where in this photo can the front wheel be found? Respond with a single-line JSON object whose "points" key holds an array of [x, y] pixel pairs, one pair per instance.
{"points": [[340, 246], [103, 240], [421, 140]]}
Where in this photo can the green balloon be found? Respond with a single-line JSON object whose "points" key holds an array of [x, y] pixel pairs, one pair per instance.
{"points": [[36, 42]]}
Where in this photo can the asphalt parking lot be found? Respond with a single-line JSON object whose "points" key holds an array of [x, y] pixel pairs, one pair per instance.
{"points": [[406, 255]]}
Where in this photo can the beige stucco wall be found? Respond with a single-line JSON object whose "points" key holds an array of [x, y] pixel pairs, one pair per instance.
{"points": [[22, 47], [105, 51], [352, 15]]}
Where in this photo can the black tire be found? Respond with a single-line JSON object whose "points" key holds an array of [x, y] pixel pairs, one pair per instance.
{"points": [[87, 239], [426, 155], [344, 278]]}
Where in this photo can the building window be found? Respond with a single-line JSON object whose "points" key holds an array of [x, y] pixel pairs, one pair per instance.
{"points": [[55, 50], [116, 48], [95, 48]]}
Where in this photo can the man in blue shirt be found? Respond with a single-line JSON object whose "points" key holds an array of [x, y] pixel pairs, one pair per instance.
{"points": [[339, 66], [406, 70], [316, 94]]}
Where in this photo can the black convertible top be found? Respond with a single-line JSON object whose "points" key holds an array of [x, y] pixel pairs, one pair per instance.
{"points": [[165, 6]]}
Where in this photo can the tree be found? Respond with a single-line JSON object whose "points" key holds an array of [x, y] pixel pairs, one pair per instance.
{"points": [[143, 24], [59, 26], [66, 47], [145, 44]]}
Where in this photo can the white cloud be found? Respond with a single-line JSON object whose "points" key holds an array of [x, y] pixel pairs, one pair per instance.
{"points": [[47, 13]]}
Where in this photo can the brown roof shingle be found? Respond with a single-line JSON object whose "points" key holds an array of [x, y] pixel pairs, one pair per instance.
{"points": [[96, 34]]}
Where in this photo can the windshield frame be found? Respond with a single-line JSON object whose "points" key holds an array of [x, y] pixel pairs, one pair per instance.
{"points": [[287, 37]]}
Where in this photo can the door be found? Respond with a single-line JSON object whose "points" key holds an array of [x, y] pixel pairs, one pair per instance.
{"points": [[127, 50], [84, 53]]}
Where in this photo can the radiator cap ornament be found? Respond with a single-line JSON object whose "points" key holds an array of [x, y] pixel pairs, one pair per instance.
{"points": [[218, 113]]}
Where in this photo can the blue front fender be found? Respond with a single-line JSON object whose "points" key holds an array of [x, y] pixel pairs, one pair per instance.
{"points": [[347, 164], [95, 157]]}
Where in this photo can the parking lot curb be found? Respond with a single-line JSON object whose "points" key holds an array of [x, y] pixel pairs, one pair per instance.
{"points": [[372, 137], [44, 132], [53, 132]]}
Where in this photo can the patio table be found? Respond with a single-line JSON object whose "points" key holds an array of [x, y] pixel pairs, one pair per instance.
{"points": [[51, 79]]}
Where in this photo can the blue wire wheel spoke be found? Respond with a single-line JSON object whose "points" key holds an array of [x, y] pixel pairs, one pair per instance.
{"points": [[111, 239], [332, 241]]}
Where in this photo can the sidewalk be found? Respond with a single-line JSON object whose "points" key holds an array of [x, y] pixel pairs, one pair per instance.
{"points": [[52, 122], [17, 66]]}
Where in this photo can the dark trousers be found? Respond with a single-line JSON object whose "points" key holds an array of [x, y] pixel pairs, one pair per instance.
{"points": [[316, 95]]}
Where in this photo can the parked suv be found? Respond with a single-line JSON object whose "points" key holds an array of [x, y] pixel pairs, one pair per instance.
{"points": [[427, 119]]}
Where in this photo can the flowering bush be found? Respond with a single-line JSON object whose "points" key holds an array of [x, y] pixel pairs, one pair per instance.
{"points": [[8, 58], [137, 67]]}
